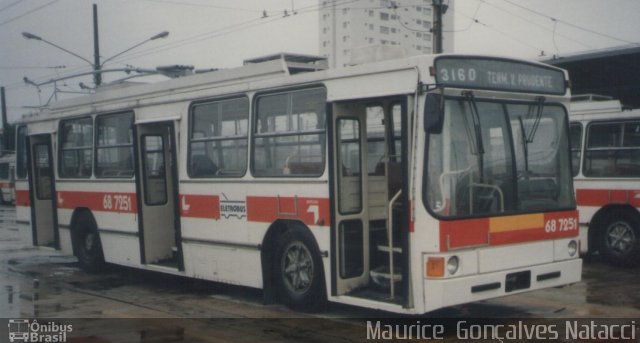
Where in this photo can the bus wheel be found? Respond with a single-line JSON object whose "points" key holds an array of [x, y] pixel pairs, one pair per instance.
{"points": [[621, 239], [89, 248], [299, 271]]}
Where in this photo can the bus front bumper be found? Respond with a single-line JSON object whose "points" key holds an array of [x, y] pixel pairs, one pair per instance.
{"points": [[440, 293]]}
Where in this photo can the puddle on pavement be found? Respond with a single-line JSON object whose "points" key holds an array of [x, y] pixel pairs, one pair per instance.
{"points": [[102, 284], [601, 290]]}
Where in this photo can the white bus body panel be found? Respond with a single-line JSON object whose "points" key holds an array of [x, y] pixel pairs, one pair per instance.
{"points": [[610, 190]]}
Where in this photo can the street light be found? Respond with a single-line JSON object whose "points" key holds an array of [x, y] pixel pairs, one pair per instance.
{"points": [[97, 66], [162, 34], [28, 35]]}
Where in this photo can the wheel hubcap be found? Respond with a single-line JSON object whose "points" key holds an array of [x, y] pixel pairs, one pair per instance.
{"points": [[89, 241], [297, 267], [620, 237]]}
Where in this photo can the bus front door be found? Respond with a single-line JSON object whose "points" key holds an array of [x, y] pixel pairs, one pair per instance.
{"points": [[369, 232], [42, 191], [350, 232], [158, 188]]}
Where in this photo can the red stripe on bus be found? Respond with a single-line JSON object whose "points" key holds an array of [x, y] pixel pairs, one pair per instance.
{"points": [[463, 233], [602, 197], [311, 211], [22, 198], [200, 206], [467, 233], [119, 202]]}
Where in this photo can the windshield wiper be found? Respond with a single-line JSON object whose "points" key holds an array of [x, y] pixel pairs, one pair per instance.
{"points": [[528, 137], [477, 131], [534, 128], [525, 146], [476, 121]]}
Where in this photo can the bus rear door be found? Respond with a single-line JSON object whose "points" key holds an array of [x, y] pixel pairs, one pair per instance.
{"points": [[42, 192], [157, 184]]}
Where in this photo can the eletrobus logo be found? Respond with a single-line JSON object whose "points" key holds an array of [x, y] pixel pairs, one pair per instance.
{"points": [[25, 330], [232, 208]]}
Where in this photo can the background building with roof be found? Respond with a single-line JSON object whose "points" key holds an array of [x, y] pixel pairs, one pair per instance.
{"points": [[614, 72]]}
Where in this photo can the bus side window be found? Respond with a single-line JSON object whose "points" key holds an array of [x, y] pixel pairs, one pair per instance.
{"points": [[290, 133], [76, 147], [218, 138]]}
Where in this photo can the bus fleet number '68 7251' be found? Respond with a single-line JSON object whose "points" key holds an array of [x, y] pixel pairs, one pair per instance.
{"points": [[118, 202], [561, 225]]}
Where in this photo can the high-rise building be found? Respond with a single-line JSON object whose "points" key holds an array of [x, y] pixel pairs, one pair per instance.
{"points": [[346, 26]]}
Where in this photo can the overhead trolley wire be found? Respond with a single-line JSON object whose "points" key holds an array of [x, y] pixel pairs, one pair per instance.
{"points": [[184, 3], [28, 12], [10, 5], [226, 30], [515, 38], [568, 23], [534, 23]]}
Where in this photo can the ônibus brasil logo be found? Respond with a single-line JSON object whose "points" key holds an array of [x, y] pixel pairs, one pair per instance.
{"points": [[25, 330]]}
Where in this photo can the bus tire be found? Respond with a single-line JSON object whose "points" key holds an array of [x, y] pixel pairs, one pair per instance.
{"points": [[620, 240], [298, 269], [89, 247]]}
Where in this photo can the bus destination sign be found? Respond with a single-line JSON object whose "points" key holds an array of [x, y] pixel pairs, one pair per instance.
{"points": [[498, 74]]}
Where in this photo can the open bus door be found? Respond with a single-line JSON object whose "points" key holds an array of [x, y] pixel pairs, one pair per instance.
{"points": [[42, 192], [158, 190], [350, 232], [370, 225]]}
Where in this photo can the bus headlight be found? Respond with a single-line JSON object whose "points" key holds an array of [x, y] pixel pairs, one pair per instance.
{"points": [[452, 264], [573, 248]]}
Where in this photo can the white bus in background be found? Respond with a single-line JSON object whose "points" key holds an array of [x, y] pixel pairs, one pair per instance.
{"points": [[7, 178], [405, 185], [605, 151]]}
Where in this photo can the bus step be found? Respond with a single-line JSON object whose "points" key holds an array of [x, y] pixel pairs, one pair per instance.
{"points": [[381, 276], [385, 248]]}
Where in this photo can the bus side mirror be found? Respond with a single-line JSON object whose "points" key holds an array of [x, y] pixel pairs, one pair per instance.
{"points": [[433, 113]]}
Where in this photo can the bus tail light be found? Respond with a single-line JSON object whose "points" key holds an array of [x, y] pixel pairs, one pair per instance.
{"points": [[435, 267]]}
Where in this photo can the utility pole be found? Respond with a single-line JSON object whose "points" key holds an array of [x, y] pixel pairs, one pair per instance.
{"points": [[6, 137], [438, 10], [97, 77]]}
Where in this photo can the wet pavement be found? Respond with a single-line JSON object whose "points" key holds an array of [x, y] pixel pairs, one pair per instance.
{"points": [[140, 306]]}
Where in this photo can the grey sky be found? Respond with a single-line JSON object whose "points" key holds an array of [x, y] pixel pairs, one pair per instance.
{"points": [[221, 33]]}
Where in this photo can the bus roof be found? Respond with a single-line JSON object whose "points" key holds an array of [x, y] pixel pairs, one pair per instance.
{"points": [[596, 110], [387, 77]]}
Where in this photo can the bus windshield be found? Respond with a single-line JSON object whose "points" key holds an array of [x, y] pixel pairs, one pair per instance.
{"points": [[494, 157]]}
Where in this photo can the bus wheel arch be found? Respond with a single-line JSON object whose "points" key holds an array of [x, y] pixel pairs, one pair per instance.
{"points": [[85, 240], [292, 236], [617, 225]]}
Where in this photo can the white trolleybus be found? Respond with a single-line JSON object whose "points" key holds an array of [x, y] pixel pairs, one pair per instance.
{"points": [[605, 146], [405, 185]]}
